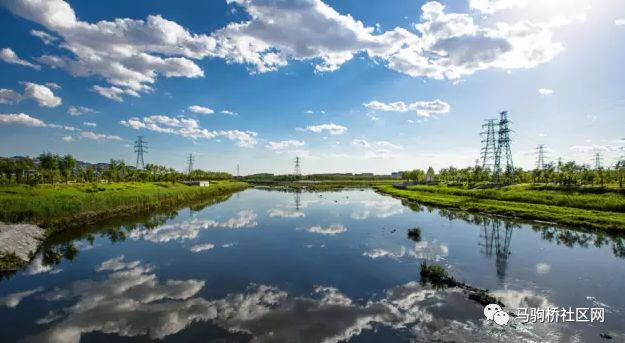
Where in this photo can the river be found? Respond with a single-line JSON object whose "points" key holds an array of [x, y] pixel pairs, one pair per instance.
{"points": [[311, 267]]}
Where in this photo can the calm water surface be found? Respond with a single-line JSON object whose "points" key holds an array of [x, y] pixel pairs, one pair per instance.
{"points": [[309, 267]]}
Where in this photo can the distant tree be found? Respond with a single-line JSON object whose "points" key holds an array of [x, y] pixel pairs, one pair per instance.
{"points": [[67, 164], [49, 164]]}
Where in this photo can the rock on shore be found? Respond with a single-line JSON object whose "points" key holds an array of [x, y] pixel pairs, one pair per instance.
{"points": [[22, 240]]}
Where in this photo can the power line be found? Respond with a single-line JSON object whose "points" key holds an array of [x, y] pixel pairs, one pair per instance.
{"points": [[489, 144], [190, 161], [503, 148], [540, 158], [140, 148]]}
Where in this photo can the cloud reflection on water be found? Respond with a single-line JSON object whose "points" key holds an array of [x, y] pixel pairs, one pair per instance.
{"points": [[131, 301]]}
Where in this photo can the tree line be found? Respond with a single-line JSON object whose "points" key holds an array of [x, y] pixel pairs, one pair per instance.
{"points": [[560, 173], [52, 168]]}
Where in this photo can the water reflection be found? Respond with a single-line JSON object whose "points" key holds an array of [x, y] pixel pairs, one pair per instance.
{"points": [[132, 301], [496, 236]]}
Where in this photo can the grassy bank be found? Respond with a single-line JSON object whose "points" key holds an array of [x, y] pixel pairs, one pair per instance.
{"points": [[532, 205], [58, 206]]}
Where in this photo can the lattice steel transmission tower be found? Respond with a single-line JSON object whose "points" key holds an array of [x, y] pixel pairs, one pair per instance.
{"points": [[503, 148], [140, 148], [489, 144], [298, 172], [540, 157], [598, 161], [190, 161], [238, 175]]}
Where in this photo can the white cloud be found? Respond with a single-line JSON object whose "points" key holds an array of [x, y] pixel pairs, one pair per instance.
{"points": [[492, 6], [285, 213], [202, 247], [377, 253], [22, 119], [42, 94], [200, 109], [45, 37], [281, 145], [131, 54], [376, 144], [79, 110], [545, 91], [53, 85], [9, 96], [422, 108], [9, 56], [68, 139], [331, 128], [228, 113], [189, 128], [331, 230], [114, 93], [88, 123], [619, 22], [99, 136]]}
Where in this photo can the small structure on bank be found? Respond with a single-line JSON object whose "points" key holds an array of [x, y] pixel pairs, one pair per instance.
{"points": [[430, 176], [196, 183]]}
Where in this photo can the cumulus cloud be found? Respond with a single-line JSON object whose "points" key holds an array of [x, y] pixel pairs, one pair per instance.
{"points": [[88, 123], [99, 136], [9, 96], [331, 128], [281, 145], [79, 110], [130, 54], [619, 22], [45, 37], [228, 113], [422, 108], [21, 119], [492, 6], [545, 91], [42, 94], [376, 144], [189, 128], [9, 56], [200, 109]]}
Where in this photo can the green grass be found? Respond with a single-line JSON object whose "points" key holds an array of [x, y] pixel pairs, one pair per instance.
{"points": [[614, 202], [522, 208], [71, 205]]}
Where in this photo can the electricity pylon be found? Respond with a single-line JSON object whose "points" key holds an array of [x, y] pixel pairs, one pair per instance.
{"points": [[598, 161], [489, 144], [190, 161], [503, 148], [540, 158], [140, 149], [297, 166]]}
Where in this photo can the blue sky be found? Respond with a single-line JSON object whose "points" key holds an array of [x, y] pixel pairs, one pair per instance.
{"points": [[350, 86]]}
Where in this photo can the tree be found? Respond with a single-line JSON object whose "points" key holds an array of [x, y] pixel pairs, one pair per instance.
{"points": [[67, 164], [49, 163]]}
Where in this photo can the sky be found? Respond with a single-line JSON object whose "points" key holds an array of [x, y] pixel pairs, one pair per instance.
{"points": [[347, 85]]}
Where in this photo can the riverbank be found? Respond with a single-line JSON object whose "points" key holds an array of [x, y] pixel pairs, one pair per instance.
{"points": [[565, 209], [56, 207]]}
